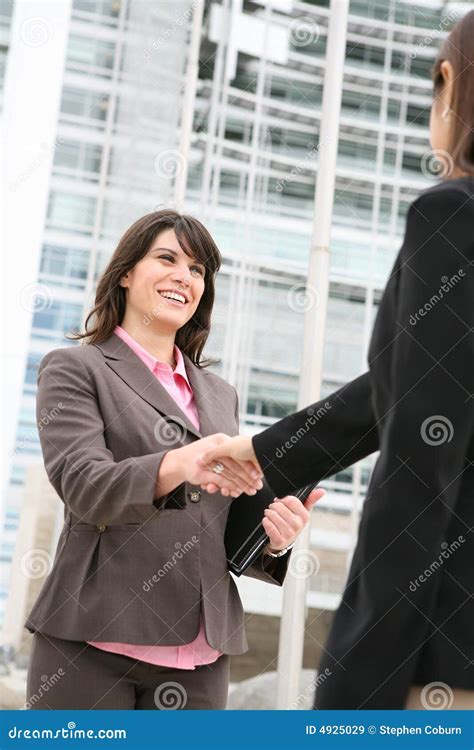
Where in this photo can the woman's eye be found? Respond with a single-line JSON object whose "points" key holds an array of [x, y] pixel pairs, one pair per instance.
{"points": [[193, 269]]}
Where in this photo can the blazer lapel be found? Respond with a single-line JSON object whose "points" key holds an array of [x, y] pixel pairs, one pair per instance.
{"points": [[122, 360], [209, 398]]}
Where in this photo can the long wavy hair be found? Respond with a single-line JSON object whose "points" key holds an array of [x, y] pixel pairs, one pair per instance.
{"points": [[458, 49], [110, 300]]}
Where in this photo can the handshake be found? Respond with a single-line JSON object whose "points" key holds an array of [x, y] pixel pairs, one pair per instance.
{"points": [[228, 465]]}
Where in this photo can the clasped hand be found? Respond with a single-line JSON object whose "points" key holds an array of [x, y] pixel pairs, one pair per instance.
{"points": [[285, 518]]}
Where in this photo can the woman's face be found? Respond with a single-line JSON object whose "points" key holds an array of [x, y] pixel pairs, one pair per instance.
{"points": [[165, 286]]}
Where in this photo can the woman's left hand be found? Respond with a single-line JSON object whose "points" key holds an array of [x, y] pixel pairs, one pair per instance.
{"points": [[286, 518]]}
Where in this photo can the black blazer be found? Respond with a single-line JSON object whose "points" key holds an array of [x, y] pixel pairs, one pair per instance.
{"points": [[407, 613]]}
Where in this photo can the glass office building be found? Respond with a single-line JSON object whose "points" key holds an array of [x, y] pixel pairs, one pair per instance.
{"points": [[252, 171]]}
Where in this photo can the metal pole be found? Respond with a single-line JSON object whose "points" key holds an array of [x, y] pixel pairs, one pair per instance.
{"points": [[290, 656], [190, 87]]}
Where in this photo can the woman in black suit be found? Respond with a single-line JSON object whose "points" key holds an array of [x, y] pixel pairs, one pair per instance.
{"points": [[403, 635]]}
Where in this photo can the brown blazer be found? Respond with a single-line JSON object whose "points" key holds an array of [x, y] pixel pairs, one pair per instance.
{"points": [[128, 567]]}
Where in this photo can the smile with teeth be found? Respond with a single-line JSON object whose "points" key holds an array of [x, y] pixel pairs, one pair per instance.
{"points": [[174, 297]]}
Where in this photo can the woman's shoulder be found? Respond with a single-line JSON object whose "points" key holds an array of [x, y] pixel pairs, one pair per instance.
{"points": [[447, 192], [73, 355], [439, 227]]}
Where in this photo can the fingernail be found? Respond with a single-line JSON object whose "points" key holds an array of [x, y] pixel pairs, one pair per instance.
{"points": [[259, 485], [254, 474]]}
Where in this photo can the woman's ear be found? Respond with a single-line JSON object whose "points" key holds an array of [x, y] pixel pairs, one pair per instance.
{"points": [[446, 93]]}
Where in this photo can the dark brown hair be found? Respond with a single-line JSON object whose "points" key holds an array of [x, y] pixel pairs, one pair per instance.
{"points": [[458, 49], [110, 300]]}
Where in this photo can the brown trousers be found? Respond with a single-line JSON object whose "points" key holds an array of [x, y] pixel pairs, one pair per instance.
{"points": [[65, 674]]}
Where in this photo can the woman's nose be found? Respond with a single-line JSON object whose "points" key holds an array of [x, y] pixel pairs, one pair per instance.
{"points": [[182, 276]]}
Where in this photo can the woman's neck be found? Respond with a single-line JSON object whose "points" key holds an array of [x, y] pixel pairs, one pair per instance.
{"points": [[160, 345]]}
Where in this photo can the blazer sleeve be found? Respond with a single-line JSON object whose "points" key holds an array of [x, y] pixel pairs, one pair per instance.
{"points": [[265, 568], [319, 440], [95, 487]]}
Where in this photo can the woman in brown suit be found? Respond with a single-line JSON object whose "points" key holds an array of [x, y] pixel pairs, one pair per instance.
{"points": [[139, 610]]}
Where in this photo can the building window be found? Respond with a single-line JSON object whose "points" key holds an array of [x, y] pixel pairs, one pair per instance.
{"points": [[60, 317], [82, 103], [65, 263], [70, 211], [78, 156]]}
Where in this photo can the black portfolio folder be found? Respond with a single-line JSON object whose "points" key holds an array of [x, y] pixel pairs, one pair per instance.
{"points": [[245, 536]]}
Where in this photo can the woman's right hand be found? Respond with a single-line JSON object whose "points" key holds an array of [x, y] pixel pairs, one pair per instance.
{"points": [[185, 465]]}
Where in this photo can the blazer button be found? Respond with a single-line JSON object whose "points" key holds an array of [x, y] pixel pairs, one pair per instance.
{"points": [[101, 527], [195, 496]]}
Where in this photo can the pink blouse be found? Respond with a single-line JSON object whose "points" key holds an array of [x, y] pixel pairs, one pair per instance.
{"points": [[198, 651]]}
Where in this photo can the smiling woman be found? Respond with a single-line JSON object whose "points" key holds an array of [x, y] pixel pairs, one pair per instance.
{"points": [[124, 455], [163, 252]]}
